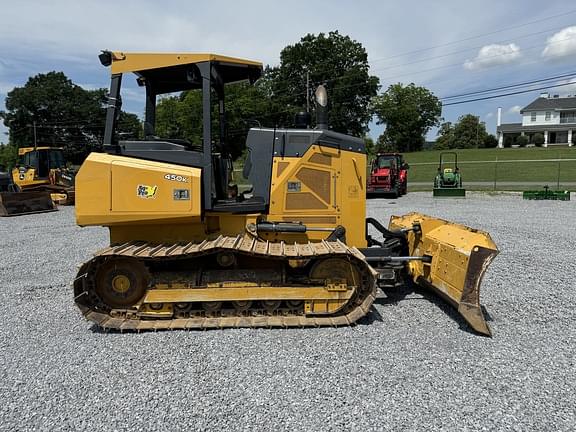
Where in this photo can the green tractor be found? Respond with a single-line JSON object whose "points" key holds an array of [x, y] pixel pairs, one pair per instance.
{"points": [[448, 181]]}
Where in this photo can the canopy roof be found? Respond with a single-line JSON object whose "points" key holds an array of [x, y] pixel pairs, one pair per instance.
{"points": [[175, 71]]}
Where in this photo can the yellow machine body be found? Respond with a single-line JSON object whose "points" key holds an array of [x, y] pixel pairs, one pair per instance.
{"points": [[115, 190], [331, 192], [155, 201]]}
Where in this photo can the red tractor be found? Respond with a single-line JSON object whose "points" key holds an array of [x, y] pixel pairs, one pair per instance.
{"points": [[388, 175]]}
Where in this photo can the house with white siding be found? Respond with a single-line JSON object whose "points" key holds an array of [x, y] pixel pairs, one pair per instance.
{"points": [[552, 116]]}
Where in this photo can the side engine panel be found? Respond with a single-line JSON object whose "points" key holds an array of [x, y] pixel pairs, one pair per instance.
{"points": [[113, 189]]}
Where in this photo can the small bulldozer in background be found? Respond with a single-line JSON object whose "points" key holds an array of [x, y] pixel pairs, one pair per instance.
{"points": [[43, 169], [14, 202], [448, 181]]}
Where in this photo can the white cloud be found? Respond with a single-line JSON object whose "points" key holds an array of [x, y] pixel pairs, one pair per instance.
{"points": [[492, 55], [561, 44], [89, 86], [514, 110], [489, 115]]}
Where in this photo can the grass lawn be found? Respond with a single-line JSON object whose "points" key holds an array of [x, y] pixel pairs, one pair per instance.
{"points": [[483, 165]]}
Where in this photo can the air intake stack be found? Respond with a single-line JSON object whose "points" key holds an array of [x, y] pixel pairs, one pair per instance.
{"points": [[321, 97]]}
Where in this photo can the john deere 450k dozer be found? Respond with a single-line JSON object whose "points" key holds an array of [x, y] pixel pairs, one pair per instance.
{"points": [[187, 253]]}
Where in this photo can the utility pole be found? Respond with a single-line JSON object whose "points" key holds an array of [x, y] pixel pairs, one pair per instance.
{"points": [[35, 143], [307, 90], [477, 126], [558, 179]]}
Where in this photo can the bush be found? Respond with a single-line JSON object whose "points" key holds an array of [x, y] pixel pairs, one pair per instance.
{"points": [[522, 140], [538, 139], [508, 141], [490, 141]]}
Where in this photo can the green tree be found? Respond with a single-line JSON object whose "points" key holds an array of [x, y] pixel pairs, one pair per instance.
{"points": [[8, 156], [445, 139], [408, 113], [469, 132], [370, 145], [181, 116], [58, 112], [383, 146], [338, 62]]}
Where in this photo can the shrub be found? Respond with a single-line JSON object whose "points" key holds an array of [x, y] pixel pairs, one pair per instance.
{"points": [[522, 140], [538, 139], [490, 141], [508, 141]]}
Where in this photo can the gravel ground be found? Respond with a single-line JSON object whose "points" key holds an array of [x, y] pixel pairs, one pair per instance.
{"points": [[410, 365]]}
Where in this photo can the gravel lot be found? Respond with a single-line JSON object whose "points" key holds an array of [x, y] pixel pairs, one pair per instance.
{"points": [[409, 366]]}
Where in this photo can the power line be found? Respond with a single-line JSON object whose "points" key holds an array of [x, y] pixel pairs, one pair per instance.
{"points": [[568, 75], [506, 94]]}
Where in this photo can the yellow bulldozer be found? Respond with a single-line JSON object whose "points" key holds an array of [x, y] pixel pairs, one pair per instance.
{"points": [[14, 202], [43, 169], [293, 251]]}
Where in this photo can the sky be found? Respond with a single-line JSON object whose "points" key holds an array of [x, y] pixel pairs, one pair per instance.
{"points": [[450, 47]]}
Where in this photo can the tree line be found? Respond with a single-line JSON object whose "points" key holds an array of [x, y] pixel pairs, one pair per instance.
{"points": [[51, 110]]}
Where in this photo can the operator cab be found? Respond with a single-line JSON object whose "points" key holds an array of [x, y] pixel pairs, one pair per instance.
{"points": [[41, 159], [161, 74]]}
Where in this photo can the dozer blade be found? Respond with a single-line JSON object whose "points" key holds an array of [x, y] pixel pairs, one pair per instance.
{"points": [[19, 203], [460, 257]]}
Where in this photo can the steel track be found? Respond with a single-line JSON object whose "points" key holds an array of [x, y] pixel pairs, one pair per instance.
{"points": [[94, 310]]}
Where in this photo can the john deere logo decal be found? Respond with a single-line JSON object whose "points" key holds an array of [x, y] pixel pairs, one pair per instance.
{"points": [[144, 191]]}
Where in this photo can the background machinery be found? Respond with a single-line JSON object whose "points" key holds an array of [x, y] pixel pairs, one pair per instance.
{"points": [[43, 169], [296, 251], [14, 202], [388, 175], [448, 180], [547, 194]]}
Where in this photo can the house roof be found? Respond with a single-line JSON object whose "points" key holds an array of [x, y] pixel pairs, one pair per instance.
{"points": [[553, 103]]}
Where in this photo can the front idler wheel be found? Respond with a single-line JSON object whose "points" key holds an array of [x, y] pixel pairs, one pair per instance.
{"points": [[121, 282]]}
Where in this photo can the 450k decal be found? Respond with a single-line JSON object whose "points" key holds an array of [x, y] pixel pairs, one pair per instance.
{"points": [[175, 177]]}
